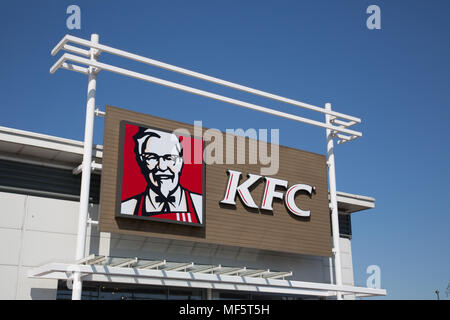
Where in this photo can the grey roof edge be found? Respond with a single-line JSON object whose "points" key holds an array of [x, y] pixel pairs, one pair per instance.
{"points": [[351, 203], [46, 141]]}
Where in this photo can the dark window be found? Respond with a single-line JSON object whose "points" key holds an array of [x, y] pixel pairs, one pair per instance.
{"points": [[90, 291], [345, 226], [156, 293], [233, 295], [185, 294], [230, 295], [44, 181], [118, 291]]}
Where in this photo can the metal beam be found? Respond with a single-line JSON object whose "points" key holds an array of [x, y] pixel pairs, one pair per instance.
{"points": [[152, 265], [254, 273], [277, 275], [180, 266], [207, 269], [155, 63], [140, 76], [232, 271], [126, 262]]}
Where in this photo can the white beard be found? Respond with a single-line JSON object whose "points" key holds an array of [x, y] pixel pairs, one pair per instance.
{"points": [[167, 185]]}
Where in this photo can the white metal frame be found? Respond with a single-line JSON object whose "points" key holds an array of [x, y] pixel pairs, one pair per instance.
{"points": [[197, 279], [174, 266], [82, 56]]}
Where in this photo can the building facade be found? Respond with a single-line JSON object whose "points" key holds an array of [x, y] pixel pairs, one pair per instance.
{"points": [[39, 201]]}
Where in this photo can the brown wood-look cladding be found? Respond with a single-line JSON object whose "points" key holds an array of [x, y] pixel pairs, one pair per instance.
{"points": [[236, 226]]}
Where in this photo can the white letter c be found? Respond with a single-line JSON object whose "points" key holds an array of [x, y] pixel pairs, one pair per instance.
{"points": [[290, 203]]}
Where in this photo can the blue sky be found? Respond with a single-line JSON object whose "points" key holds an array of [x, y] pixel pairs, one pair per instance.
{"points": [[396, 79]]}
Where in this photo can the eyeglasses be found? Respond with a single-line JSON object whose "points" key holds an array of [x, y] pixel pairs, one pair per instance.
{"points": [[152, 158]]}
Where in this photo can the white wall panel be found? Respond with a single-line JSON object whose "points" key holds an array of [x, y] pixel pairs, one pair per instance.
{"points": [[52, 215], [8, 281], [44, 247], [345, 245], [12, 210], [347, 262], [10, 242], [35, 289]]}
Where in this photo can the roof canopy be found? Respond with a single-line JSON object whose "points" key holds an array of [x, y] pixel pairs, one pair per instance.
{"points": [[188, 274]]}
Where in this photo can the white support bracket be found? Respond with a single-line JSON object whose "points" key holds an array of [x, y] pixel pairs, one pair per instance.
{"points": [[209, 269], [344, 124], [153, 265], [278, 275], [181, 266], [126, 263], [90, 221], [232, 271], [99, 113], [94, 166], [91, 259]]}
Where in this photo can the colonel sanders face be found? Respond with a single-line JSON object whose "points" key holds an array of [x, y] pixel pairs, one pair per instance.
{"points": [[159, 155]]}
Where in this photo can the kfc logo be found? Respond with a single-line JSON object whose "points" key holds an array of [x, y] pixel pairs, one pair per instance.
{"points": [[158, 182], [233, 189]]}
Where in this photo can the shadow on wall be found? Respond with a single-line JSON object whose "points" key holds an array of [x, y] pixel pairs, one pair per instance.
{"points": [[43, 294]]}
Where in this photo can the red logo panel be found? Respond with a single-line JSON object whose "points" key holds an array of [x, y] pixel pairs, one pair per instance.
{"points": [[162, 176]]}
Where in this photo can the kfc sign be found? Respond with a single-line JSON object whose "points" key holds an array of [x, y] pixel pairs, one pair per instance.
{"points": [[156, 180], [163, 179], [233, 188]]}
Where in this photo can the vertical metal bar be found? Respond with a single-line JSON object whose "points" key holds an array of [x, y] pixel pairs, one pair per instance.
{"points": [[86, 174], [333, 202], [208, 294], [330, 261]]}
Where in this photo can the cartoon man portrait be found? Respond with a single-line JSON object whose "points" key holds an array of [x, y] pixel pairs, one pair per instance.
{"points": [[159, 156]]}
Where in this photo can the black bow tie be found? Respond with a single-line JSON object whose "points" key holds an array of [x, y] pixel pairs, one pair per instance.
{"points": [[165, 201]]}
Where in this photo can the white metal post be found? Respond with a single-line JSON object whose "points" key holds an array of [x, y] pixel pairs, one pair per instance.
{"points": [[333, 202], [86, 174]]}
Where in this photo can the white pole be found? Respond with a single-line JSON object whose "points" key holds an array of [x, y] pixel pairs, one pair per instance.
{"points": [[333, 202], [86, 174]]}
